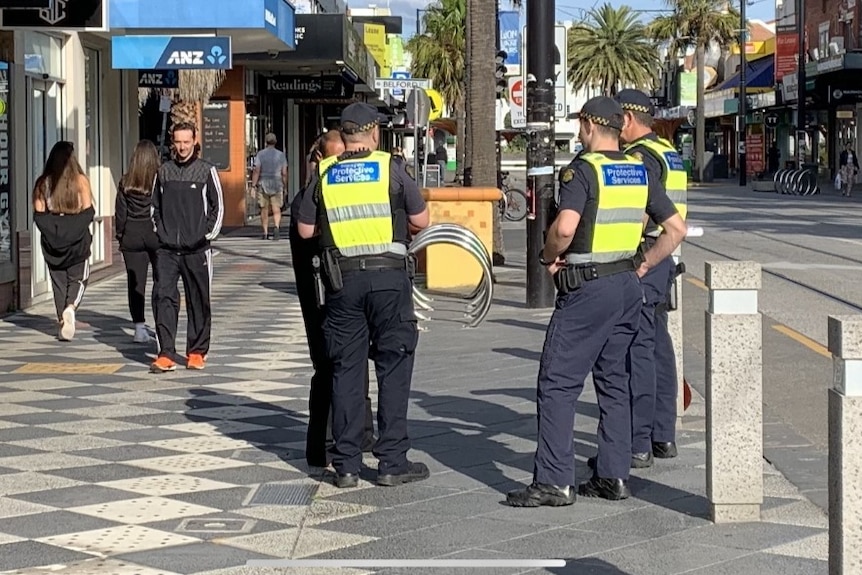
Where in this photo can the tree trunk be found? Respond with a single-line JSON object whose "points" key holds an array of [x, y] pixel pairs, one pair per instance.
{"points": [[460, 139], [700, 121], [481, 94]]}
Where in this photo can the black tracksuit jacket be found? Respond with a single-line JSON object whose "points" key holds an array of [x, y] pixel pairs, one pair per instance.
{"points": [[188, 206]]}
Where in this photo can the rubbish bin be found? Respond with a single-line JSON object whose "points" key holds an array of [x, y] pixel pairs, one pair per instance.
{"points": [[708, 167]]}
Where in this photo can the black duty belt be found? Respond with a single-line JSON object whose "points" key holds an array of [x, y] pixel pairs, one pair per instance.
{"points": [[572, 277], [372, 263]]}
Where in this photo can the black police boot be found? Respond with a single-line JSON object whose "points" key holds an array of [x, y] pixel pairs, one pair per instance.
{"points": [[346, 480], [664, 449], [538, 494], [415, 472], [639, 461], [611, 489]]}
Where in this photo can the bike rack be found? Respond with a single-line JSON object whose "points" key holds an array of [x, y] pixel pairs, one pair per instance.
{"points": [[796, 183], [479, 301]]}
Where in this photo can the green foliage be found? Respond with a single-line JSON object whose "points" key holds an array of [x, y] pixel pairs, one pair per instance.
{"points": [[611, 49], [696, 23], [440, 53]]}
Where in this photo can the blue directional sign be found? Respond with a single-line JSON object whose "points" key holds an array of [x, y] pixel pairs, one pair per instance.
{"points": [[398, 92], [171, 53]]}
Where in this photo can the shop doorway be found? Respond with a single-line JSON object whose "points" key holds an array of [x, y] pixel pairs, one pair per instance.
{"points": [[44, 129]]}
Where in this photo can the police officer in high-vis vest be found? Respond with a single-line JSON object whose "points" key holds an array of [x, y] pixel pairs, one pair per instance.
{"points": [[653, 363], [365, 206], [592, 251]]}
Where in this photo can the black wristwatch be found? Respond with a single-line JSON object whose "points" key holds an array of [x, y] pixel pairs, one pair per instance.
{"points": [[542, 259]]}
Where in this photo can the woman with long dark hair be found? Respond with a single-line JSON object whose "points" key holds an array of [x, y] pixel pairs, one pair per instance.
{"points": [[134, 224], [63, 211]]}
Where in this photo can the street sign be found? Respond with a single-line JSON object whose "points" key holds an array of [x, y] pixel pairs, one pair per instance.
{"points": [[436, 104], [400, 75], [516, 103], [418, 107], [402, 83]]}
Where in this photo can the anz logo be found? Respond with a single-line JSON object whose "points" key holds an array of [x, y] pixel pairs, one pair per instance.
{"points": [[197, 57]]}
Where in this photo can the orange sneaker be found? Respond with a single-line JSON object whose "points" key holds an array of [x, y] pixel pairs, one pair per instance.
{"points": [[196, 361], [162, 364]]}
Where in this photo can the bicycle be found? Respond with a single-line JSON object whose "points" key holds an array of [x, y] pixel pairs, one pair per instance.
{"points": [[513, 205]]}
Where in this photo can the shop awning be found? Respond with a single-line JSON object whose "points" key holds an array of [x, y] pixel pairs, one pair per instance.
{"points": [[759, 74], [256, 25]]}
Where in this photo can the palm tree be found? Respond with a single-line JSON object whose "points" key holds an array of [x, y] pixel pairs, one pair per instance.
{"points": [[610, 50], [481, 109], [439, 55], [697, 24]]}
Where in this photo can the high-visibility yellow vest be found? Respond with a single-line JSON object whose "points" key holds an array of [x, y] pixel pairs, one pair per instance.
{"points": [[354, 196], [615, 232], [675, 176]]}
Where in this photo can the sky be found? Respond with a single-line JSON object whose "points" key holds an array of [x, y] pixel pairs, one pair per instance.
{"points": [[566, 9]]}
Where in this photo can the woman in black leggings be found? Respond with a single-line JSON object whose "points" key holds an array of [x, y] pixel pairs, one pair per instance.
{"points": [[135, 231]]}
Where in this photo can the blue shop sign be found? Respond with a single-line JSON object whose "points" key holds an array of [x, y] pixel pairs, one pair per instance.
{"points": [[171, 53], [276, 17]]}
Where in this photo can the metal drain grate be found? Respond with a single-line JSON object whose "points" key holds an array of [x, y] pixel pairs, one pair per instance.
{"points": [[284, 494], [216, 525]]}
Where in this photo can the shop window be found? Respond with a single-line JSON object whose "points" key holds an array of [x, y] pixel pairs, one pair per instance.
{"points": [[93, 151], [43, 55]]}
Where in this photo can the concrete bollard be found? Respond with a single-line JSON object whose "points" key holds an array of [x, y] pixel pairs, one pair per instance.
{"points": [[674, 328], [734, 392], [845, 446]]}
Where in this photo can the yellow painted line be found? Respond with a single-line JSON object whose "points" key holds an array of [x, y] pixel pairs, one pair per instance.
{"points": [[70, 368], [799, 338], [696, 282]]}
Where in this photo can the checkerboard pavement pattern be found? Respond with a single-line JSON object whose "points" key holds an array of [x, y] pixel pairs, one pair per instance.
{"points": [[107, 469]]}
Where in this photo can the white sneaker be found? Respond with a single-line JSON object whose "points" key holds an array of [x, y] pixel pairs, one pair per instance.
{"points": [[141, 334], [67, 328]]}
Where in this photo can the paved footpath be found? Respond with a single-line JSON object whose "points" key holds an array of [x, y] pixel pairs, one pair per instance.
{"points": [[106, 469]]}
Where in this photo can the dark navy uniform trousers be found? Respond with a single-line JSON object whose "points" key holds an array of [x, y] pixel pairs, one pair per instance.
{"points": [[643, 357], [591, 329], [375, 306], [667, 385]]}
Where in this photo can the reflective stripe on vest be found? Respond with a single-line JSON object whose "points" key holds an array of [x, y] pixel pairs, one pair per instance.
{"points": [[355, 195], [621, 200], [675, 176]]}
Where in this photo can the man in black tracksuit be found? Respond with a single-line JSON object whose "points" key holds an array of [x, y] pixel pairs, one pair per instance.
{"points": [[187, 213]]}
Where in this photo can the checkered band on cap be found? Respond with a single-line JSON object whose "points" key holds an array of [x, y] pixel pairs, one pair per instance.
{"points": [[635, 108], [595, 119], [359, 129]]}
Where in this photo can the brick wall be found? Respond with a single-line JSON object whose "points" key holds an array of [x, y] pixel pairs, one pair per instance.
{"points": [[820, 11]]}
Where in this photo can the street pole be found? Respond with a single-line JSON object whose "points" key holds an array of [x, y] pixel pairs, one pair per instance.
{"points": [[801, 112], [497, 101], [540, 146], [743, 93]]}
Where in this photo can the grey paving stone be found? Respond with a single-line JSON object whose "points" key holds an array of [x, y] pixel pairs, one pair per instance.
{"points": [[8, 450], [664, 557], [255, 526], [279, 421], [391, 497], [194, 558], [145, 434], [180, 405], [249, 475], [434, 541], [766, 564], [43, 418], [468, 504], [64, 404], [269, 436], [161, 419], [751, 536], [262, 454], [126, 452], [85, 391], [646, 522], [101, 473], [24, 433], [53, 523], [76, 496], [573, 543], [471, 554], [227, 499], [5, 470], [388, 522], [24, 554]]}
